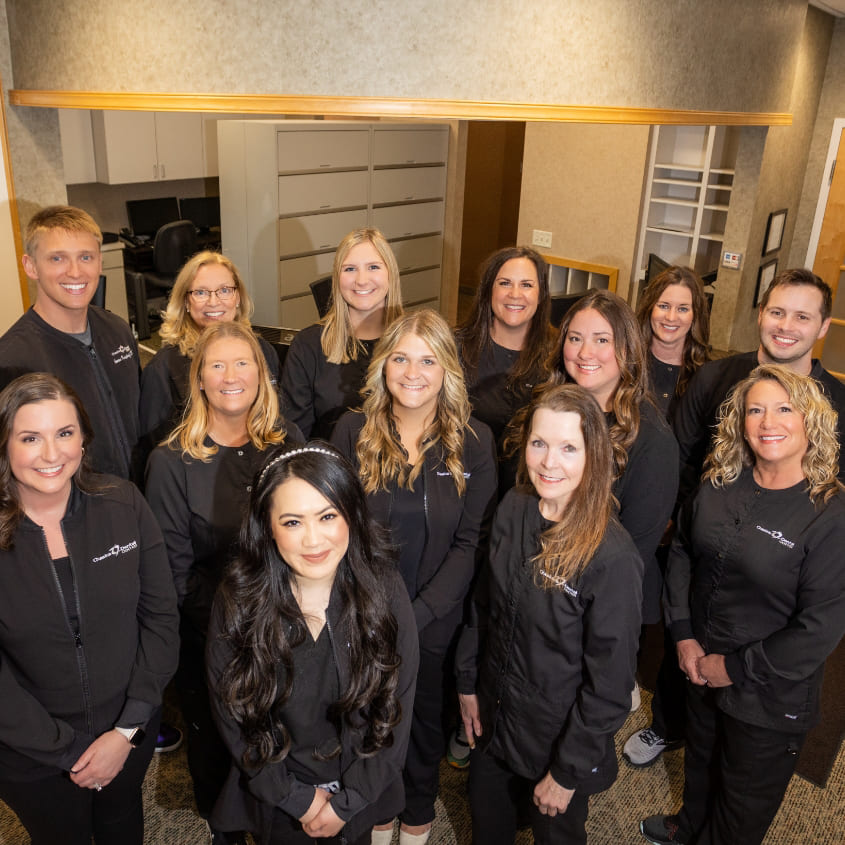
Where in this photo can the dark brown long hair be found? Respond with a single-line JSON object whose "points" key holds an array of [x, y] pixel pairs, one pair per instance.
{"points": [[26, 390], [697, 341], [263, 622], [475, 333]]}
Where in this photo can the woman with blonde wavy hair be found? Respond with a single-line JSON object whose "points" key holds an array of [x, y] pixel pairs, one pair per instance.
{"points": [[327, 362], [208, 290], [600, 348], [546, 664], [429, 470], [198, 484], [755, 602]]}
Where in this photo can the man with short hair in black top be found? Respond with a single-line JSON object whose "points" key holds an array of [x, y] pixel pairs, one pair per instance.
{"points": [[89, 348], [794, 313]]}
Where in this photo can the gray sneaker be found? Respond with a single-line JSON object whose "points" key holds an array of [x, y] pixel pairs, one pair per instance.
{"points": [[645, 746]]}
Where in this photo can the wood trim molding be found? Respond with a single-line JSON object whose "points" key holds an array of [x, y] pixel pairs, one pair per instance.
{"points": [[13, 208], [386, 107]]}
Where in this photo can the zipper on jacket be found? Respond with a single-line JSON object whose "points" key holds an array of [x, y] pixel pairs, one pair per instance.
{"points": [[106, 393], [81, 661]]}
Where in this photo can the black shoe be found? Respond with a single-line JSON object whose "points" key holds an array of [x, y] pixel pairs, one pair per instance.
{"points": [[661, 830]]}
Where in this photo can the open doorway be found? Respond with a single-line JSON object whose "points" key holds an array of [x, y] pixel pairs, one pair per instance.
{"points": [[491, 197]]}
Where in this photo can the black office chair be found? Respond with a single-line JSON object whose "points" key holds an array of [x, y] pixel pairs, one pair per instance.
{"points": [[174, 244], [321, 290]]}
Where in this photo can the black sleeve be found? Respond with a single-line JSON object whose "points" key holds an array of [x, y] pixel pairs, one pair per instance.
{"points": [[298, 378]]}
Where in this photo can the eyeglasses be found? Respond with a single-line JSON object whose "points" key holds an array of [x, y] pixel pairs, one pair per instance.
{"points": [[224, 294]]}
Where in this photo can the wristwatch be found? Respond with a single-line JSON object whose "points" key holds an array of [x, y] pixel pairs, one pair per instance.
{"points": [[135, 736]]}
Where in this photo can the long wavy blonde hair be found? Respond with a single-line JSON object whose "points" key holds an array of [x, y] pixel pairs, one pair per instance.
{"points": [[381, 457], [265, 426], [340, 346], [178, 327], [731, 452]]}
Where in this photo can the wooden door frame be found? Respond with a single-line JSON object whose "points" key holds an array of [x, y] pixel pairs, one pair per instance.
{"points": [[821, 205]]}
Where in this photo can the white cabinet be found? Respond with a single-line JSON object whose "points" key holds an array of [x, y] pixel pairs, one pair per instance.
{"points": [[77, 146], [138, 146], [687, 196], [291, 190], [115, 280]]}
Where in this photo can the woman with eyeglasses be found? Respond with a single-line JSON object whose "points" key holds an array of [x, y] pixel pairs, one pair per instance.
{"points": [[326, 366], [207, 290]]}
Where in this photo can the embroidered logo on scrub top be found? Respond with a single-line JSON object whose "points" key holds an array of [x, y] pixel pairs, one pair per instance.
{"points": [[116, 550], [560, 582], [777, 535]]}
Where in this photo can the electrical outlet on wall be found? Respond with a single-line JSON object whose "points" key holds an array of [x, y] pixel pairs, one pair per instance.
{"points": [[541, 238]]}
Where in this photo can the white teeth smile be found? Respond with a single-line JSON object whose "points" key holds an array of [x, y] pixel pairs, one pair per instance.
{"points": [[590, 368], [49, 470], [550, 479], [413, 386], [214, 314], [771, 438], [788, 341], [232, 392], [74, 288]]}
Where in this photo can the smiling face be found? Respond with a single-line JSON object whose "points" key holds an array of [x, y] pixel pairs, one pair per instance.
{"points": [[45, 450], [213, 309], [311, 535], [66, 267], [555, 456], [364, 279], [589, 356], [774, 430], [413, 375], [789, 325], [229, 377], [514, 298], [671, 318]]}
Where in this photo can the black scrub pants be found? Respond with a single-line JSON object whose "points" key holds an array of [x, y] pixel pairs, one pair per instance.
{"points": [[55, 810], [495, 796], [735, 774]]}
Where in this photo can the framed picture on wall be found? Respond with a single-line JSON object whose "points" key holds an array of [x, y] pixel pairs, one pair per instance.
{"points": [[765, 275], [774, 232]]}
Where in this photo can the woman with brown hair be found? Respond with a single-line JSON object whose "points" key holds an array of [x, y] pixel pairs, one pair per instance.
{"points": [[546, 665]]}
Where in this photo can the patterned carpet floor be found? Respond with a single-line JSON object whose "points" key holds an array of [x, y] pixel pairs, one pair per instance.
{"points": [[809, 813]]}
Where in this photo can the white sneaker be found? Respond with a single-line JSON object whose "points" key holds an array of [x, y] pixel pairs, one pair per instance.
{"points": [[645, 746], [636, 698]]}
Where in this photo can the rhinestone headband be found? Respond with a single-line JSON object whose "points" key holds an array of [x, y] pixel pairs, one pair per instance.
{"points": [[286, 455]]}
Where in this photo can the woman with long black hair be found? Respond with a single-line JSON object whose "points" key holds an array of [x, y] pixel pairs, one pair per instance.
{"points": [[312, 659]]}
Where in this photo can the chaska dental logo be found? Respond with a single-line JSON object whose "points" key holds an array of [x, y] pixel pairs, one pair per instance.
{"points": [[777, 535], [122, 353], [116, 550]]}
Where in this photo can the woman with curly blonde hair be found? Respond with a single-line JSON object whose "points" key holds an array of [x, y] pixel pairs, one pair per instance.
{"points": [[755, 602], [208, 290], [429, 470], [198, 484], [327, 362], [600, 348]]}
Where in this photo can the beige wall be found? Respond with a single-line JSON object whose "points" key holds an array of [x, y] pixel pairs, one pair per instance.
{"points": [[831, 106], [584, 184], [685, 54]]}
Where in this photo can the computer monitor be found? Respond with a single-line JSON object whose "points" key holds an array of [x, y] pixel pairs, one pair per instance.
{"points": [[146, 217], [656, 265], [203, 212]]}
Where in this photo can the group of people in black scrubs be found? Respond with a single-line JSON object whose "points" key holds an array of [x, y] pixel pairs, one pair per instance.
{"points": [[409, 526]]}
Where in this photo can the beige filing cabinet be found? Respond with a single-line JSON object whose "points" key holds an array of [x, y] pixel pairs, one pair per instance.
{"points": [[290, 191], [115, 280]]}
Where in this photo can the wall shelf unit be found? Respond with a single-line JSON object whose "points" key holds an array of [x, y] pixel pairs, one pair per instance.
{"points": [[687, 197]]}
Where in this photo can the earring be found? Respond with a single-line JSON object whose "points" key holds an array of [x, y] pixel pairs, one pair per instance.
{"points": [[83, 450]]}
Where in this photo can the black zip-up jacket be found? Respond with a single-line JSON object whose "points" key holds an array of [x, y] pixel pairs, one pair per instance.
{"points": [[105, 375], [553, 668], [59, 692], [759, 576], [315, 393], [456, 526], [371, 787]]}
